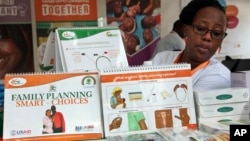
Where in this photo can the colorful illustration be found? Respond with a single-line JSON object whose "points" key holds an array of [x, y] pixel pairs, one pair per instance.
{"points": [[181, 92], [183, 116], [116, 123], [151, 100], [116, 101], [163, 118], [136, 121], [139, 21]]}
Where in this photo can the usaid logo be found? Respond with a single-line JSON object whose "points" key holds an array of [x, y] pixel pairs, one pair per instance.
{"points": [[17, 81], [19, 132]]}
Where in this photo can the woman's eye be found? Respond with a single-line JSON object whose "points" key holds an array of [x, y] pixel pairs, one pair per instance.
{"points": [[217, 33], [201, 28]]}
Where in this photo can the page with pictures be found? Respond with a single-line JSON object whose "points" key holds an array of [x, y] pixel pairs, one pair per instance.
{"points": [[147, 98]]}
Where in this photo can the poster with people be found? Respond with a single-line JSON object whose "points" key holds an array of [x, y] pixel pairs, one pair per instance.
{"points": [[16, 52], [50, 98], [52, 14], [139, 22]]}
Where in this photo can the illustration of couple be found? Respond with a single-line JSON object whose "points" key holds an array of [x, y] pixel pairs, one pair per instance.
{"points": [[53, 122]]}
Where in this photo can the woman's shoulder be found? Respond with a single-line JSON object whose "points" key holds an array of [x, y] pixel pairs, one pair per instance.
{"points": [[168, 52], [216, 64], [165, 57]]}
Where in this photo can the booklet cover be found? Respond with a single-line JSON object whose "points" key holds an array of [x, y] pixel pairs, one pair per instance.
{"points": [[52, 106], [147, 98]]}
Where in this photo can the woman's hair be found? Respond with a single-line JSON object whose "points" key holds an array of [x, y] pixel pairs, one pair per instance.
{"points": [[47, 111], [116, 89], [188, 12], [178, 28], [21, 35]]}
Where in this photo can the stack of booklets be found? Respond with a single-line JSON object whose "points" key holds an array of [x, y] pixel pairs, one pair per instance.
{"points": [[222, 104], [147, 98], [52, 106]]}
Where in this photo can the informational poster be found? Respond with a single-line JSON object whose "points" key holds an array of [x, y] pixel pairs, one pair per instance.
{"points": [[236, 44], [16, 51], [60, 111], [67, 13], [139, 22], [147, 99], [15, 11]]}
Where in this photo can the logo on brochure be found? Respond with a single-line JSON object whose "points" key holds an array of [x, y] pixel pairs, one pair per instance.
{"points": [[109, 34], [84, 128], [20, 132], [17, 81], [88, 81], [52, 88], [68, 34]]}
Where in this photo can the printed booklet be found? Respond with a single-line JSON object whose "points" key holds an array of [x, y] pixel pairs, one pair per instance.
{"points": [[146, 98], [52, 106], [88, 49]]}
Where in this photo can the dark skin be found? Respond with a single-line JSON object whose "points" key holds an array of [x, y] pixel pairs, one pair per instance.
{"points": [[200, 48], [10, 56]]}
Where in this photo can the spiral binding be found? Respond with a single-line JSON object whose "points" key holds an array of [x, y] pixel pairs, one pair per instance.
{"points": [[43, 73], [85, 27], [138, 68]]}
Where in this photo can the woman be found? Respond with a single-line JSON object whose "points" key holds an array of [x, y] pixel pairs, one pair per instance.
{"points": [[47, 122], [116, 94], [205, 25], [16, 55]]}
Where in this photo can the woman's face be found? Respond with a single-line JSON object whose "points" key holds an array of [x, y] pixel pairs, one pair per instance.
{"points": [[10, 56], [48, 113], [201, 48]]}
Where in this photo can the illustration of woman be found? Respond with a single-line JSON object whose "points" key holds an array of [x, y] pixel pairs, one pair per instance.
{"points": [[115, 99]]}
